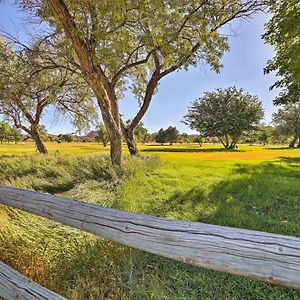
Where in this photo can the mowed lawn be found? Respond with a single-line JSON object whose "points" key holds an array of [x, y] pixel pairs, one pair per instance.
{"points": [[253, 187]]}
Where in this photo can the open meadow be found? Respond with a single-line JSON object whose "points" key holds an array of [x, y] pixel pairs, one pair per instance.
{"points": [[252, 187]]}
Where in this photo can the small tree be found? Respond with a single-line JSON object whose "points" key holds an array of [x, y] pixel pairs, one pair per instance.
{"points": [[225, 114], [160, 136], [199, 139], [68, 137], [15, 135], [102, 135], [171, 135], [141, 133], [264, 134], [287, 121], [5, 131]]}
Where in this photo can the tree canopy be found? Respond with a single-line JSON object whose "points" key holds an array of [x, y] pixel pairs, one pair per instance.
{"points": [[28, 87], [225, 114], [282, 32], [119, 45], [287, 120]]}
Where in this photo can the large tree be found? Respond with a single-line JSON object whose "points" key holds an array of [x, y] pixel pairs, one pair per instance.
{"points": [[287, 121], [28, 88], [225, 114], [282, 32], [134, 44]]}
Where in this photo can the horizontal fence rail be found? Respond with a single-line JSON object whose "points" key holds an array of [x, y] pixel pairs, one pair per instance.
{"points": [[258, 255], [13, 286]]}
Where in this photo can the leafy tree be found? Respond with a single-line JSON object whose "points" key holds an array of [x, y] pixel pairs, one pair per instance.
{"points": [[141, 133], [287, 121], [28, 87], [68, 137], [184, 138], [160, 136], [129, 44], [264, 134], [225, 114], [15, 135], [199, 139], [102, 135], [5, 131], [171, 135], [250, 137], [282, 32]]}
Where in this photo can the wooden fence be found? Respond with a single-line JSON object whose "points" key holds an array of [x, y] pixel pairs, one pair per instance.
{"points": [[258, 255]]}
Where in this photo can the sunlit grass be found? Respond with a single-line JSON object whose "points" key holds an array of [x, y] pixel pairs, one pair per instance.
{"points": [[253, 187]]}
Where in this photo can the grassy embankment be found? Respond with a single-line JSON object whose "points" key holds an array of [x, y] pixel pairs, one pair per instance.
{"points": [[254, 187]]}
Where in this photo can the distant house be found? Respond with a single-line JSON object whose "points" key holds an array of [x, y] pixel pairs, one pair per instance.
{"points": [[92, 134]]}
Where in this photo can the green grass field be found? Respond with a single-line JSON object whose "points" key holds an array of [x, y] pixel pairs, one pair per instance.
{"points": [[252, 187]]}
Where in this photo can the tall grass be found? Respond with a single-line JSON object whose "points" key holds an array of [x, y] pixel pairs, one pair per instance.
{"points": [[256, 194]]}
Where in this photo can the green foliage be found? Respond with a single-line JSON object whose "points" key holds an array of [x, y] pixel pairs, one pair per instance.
{"points": [[282, 32], [141, 133], [4, 132], [137, 45], [29, 84], [102, 135], [287, 120], [160, 136], [171, 135], [226, 114], [69, 137], [8, 133], [199, 139]]}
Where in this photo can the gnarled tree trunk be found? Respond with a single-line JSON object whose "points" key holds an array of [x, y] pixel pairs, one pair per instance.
{"points": [[96, 79], [130, 141], [38, 141]]}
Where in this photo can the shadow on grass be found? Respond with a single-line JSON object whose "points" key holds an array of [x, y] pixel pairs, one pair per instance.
{"points": [[205, 150], [282, 148], [259, 197], [290, 159], [264, 198]]}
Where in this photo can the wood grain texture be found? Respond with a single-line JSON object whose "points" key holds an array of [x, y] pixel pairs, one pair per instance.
{"points": [[13, 286], [258, 255]]}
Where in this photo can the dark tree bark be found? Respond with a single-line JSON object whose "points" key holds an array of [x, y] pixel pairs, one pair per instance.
{"points": [[292, 142], [39, 143], [130, 141]]}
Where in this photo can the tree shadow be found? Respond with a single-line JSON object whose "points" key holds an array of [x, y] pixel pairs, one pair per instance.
{"points": [[291, 160], [280, 148], [191, 150], [264, 198]]}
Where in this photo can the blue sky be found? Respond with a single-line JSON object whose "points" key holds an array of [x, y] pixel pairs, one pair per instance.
{"points": [[243, 67]]}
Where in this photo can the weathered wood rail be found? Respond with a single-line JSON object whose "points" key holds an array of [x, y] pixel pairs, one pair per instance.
{"points": [[13, 286], [258, 255]]}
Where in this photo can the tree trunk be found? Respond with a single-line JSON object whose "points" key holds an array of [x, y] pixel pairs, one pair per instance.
{"points": [[116, 150], [130, 141], [292, 142], [298, 145], [115, 138], [38, 142], [96, 79]]}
